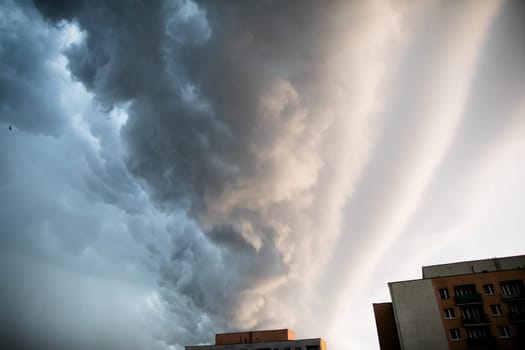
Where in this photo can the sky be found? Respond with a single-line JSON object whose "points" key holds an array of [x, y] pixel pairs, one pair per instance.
{"points": [[172, 169]]}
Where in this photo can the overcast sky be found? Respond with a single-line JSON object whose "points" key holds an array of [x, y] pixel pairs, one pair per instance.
{"points": [[174, 169]]}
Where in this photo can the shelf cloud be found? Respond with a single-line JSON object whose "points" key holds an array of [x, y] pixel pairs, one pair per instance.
{"points": [[178, 168]]}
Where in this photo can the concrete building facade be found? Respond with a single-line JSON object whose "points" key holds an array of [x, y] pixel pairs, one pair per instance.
{"points": [[472, 305], [279, 339]]}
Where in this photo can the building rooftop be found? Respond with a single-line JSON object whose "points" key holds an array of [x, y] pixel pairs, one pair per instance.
{"points": [[250, 337], [272, 339], [474, 266]]}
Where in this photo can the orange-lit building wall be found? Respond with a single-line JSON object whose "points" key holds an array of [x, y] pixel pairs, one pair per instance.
{"points": [[479, 280], [386, 326]]}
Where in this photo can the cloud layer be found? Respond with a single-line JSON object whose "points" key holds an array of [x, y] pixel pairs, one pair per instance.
{"points": [[180, 168]]}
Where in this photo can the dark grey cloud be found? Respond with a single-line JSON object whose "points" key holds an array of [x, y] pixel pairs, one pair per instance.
{"points": [[190, 163], [23, 80], [71, 267], [195, 80], [190, 80], [213, 91]]}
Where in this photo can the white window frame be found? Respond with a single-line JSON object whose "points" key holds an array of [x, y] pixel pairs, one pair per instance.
{"points": [[517, 308], [464, 290], [443, 293], [455, 334], [450, 314], [509, 288], [469, 312], [488, 289], [477, 333], [498, 309], [504, 332]]}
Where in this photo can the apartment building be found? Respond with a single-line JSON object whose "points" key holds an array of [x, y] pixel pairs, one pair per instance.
{"points": [[278, 339], [471, 305]]}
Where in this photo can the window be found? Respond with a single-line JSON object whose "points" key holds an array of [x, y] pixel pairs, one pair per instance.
{"points": [[488, 289], [471, 312], [518, 309], [312, 347], [449, 314], [511, 288], [496, 310], [468, 289], [297, 348], [504, 332], [454, 334], [443, 293], [478, 332]]}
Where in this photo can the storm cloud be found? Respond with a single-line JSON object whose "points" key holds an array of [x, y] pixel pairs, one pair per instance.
{"points": [[231, 111], [180, 168]]}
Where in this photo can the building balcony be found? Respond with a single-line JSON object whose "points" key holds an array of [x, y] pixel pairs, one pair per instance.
{"points": [[514, 296], [468, 299], [516, 318], [476, 321], [489, 343]]}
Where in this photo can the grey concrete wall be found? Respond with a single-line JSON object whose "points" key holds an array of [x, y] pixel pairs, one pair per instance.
{"points": [[417, 315], [475, 266]]}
